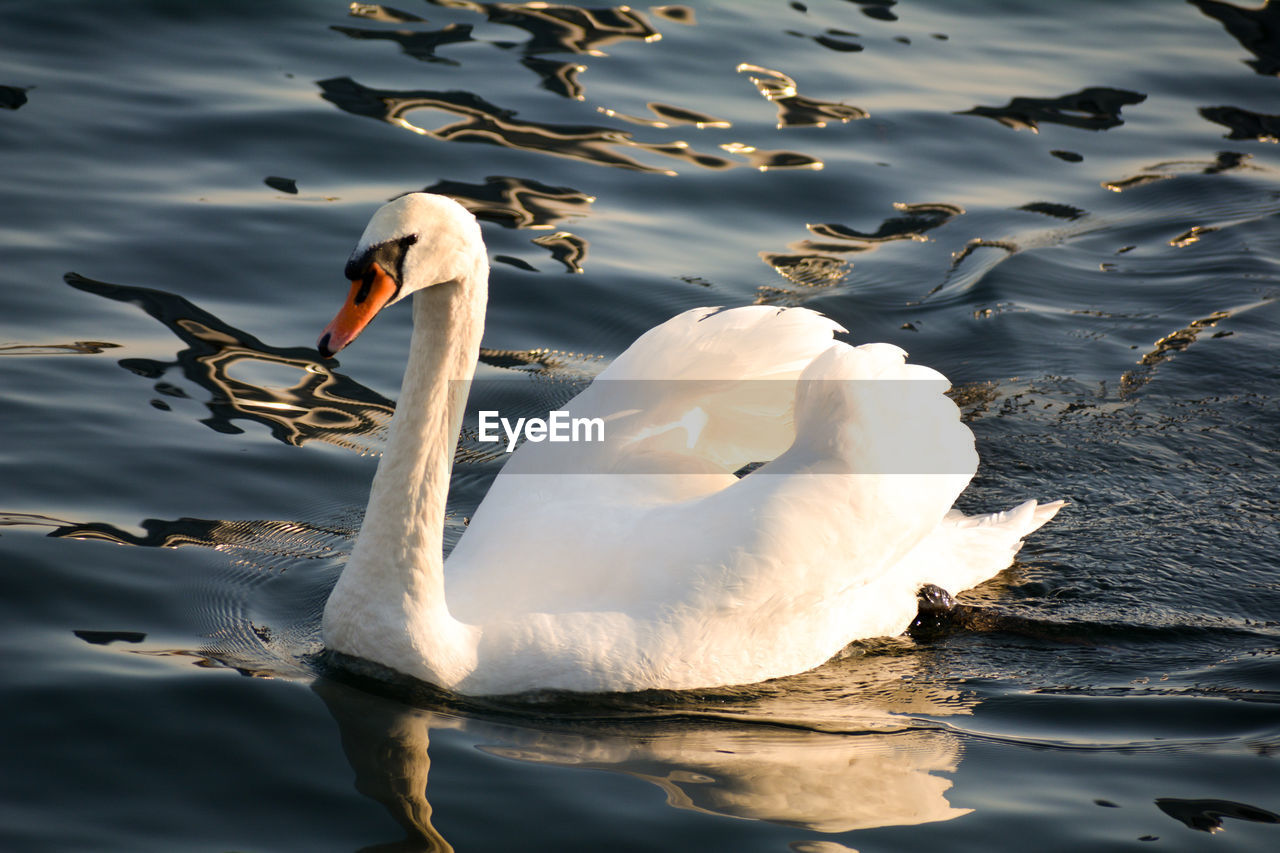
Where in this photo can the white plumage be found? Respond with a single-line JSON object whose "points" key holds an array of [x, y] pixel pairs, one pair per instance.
{"points": [[643, 561]]}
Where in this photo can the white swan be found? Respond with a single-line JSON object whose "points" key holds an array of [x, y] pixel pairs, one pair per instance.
{"points": [[643, 561]]}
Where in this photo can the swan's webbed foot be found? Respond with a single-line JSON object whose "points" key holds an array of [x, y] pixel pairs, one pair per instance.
{"points": [[938, 614], [933, 599]]}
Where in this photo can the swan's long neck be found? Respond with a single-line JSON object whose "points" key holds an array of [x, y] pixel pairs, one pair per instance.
{"points": [[389, 604]]}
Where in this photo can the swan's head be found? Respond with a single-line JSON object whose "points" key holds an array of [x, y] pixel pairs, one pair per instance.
{"points": [[417, 241]]}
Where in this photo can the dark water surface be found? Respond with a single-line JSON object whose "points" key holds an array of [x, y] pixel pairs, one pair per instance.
{"points": [[1071, 209]]}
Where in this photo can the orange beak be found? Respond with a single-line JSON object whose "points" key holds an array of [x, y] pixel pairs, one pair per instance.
{"points": [[368, 296]]}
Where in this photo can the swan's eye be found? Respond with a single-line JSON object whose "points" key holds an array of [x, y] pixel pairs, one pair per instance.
{"points": [[388, 255]]}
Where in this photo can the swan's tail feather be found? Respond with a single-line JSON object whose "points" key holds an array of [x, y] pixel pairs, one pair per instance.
{"points": [[1026, 517], [1043, 513], [966, 550]]}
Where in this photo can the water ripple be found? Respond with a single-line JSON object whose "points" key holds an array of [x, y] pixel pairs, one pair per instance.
{"points": [[486, 122], [558, 77], [669, 115], [1226, 161], [516, 202], [1244, 124], [794, 109], [321, 405], [385, 14], [812, 265], [74, 348], [1096, 108], [558, 28], [1257, 30], [12, 97], [419, 45], [1207, 815]]}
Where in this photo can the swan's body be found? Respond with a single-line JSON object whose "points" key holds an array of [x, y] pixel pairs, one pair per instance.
{"points": [[644, 562]]}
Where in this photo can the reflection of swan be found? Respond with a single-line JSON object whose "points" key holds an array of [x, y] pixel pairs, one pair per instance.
{"points": [[643, 562], [791, 756], [814, 780]]}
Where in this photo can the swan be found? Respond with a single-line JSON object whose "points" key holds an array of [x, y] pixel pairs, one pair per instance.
{"points": [[644, 561]]}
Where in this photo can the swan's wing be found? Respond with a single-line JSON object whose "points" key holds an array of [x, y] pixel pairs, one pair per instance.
{"points": [[877, 458], [708, 391], [750, 342]]}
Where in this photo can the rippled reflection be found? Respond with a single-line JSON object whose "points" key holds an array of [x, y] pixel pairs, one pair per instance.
{"points": [[526, 204], [419, 45], [1096, 108], [558, 28], [1244, 124], [795, 110], [558, 77], [824, 763], [320, 405], [386, 14], [669, 115], [553, 28], [1166, 347], [12, 97], [1207, 815], [73, 348], [881, 10], [766, 161], [1257, 30], [809, 271], [916, 220], [486, 122], [812, 264], [678, 14], [568, 249], [280, 539], [516, 202], [1226, 161], [1055, 209]]}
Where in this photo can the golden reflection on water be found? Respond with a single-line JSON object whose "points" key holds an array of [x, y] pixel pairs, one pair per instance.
{"points": [[568, 249], [526, 204], [319, 406], [516, 202], [792, 754], [1164, 349], [482, 121], [247, 541], [794, 109], [385, 14], [557, 28], [567, 29], [488, 123], [73, 348], [810, 264], [1226, 161], [667, 116]]}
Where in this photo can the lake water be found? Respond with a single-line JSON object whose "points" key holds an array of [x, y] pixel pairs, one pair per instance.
{"points": [[1071, 209]]}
